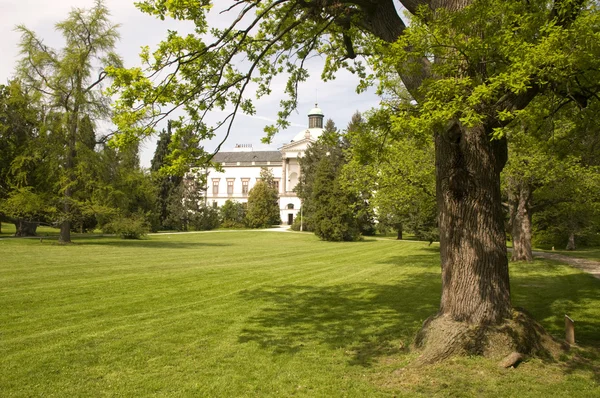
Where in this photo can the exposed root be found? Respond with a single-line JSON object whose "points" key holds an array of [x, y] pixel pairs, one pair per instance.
{"points": [[441, 338]]}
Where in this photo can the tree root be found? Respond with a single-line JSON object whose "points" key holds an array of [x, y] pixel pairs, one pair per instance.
{"points": [[441, 338]]}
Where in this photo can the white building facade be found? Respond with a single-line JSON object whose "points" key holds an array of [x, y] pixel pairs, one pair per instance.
{"points": [[241, 170]]}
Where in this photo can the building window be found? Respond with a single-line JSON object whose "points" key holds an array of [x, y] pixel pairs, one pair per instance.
{"points": [[245, 184], [290, 206], [230, 187], [215, 204], [276, 185], [215, 182]]}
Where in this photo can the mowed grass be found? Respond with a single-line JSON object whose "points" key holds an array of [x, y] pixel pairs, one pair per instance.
{"points": [[229, 314]]}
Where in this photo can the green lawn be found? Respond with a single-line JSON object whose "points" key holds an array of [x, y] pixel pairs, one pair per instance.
{"points": [[231, 314]]}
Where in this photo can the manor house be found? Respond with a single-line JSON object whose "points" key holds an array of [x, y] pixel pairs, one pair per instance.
{"points": [[241, 170]]}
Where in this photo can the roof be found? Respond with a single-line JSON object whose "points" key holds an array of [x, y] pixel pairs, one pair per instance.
{"points": [[316, 111], [313, 134], [255, 156]]}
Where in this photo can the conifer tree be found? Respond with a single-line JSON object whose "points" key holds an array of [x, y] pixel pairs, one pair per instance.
{"points": [[69, 85], [263, 202]]}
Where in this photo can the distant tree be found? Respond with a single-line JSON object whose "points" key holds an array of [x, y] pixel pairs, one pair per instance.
{"points": [[551, 179], [206, 218], [20, 121], [232, 214], [567, 206], [331, 145], [67, 82], [397, 168], [263, 207], [333, 218], [184, 203], [25, 209], [165, 182]]}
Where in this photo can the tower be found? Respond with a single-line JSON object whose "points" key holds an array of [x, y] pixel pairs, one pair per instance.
{"points": [[315, 118]]}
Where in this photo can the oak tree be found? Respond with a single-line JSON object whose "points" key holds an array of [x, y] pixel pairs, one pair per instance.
{"points": [[471, 66]]}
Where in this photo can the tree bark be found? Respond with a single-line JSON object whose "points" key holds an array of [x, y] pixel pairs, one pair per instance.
{"points": [[399, 229], [476, 316], [519, 202], [571, 243], [71, 154], [475, 283]]}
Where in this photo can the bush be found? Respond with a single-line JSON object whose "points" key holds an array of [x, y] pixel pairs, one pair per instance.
{"points": [[205, 219], [263, 206], [132, 227], [306, 226], [232, 214]]}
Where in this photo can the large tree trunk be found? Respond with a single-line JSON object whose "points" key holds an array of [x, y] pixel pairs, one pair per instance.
{"points": [[475, 285], [519, 203], [476, 316], [25, 228]]}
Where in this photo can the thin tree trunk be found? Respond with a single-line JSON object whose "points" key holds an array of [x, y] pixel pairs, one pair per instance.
{"points": [[475, 283], [571, 243], [72, 126], [399, 229], [520, 221]]}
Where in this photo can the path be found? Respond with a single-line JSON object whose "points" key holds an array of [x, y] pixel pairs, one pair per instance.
{"points": [[590, 266]]}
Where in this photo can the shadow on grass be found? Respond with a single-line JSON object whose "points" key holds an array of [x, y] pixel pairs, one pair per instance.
{"points": [[587, 360], [550, 297], [370, 320], [146, 243], [410, 261], [367, 320]]}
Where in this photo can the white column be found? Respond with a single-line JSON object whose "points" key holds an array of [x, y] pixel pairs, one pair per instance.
{"points": [[284, 176]]}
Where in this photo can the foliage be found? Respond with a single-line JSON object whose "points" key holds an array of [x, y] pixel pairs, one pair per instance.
{"points": [[263, 202], [205, 218], [127, 227], [165, 184], [19, 124], [569, 206], [23, 203], [232, 214], [117, 186], [330, 146], [397, 168], [333, 218], [185, 201], [553, 155]]}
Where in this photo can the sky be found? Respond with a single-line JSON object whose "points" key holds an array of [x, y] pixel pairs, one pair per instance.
{"points": [[338, 99]]}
